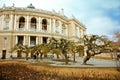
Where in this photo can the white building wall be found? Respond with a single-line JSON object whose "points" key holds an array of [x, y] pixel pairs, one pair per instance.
{"points": [[0, 23], [3, 23]]}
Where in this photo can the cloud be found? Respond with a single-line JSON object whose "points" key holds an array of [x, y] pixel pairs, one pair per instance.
{"points": [[95, 15], [102, 25]]}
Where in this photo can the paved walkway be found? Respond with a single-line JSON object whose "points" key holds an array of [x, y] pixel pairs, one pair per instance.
{"points": [[91, 63]]}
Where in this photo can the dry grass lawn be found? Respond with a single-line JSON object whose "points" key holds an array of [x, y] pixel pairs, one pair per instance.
{"points": [[42, 71]]}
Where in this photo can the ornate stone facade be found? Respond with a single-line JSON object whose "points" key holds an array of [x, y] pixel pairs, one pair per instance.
{"points": [[30, 26]]}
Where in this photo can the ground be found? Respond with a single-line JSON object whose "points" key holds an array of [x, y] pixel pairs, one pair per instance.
{"points": [[46, 69], [93, 62]]}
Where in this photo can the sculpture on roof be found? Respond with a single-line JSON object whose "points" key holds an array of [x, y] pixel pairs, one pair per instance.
{"points": [[31, 6]]}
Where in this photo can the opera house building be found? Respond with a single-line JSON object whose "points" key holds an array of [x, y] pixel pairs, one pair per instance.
{"points": [[31, 26]]}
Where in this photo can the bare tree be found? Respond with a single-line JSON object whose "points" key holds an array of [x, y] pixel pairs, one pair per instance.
{"points": [[74, 47], [94, 45], [54, 47], [26, 50], [18, 48], [64, 48], [116, 45]]}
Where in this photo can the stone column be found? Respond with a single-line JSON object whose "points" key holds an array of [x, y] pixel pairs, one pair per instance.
{"points": [[13, 40], [27, 23], [50, 25], [24, 41], [2, 27], [16, 41], [53, 26], [40, 23], [11, 22], [60, 27], [27, 40], [15, 23], [37, 25], [0, 22], [66, 30], [36, 40]]}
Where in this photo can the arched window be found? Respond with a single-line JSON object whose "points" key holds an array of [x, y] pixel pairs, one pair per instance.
{"points": [[33, 24], [21, 22], [44, 24]]}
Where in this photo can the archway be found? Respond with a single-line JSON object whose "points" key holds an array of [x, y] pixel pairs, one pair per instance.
{"points": [[44, 24], [33, 24], [21, 23]]}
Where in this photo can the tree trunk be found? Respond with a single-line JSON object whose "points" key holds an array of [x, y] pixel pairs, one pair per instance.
{"points": [[85, 59], [81, 53], [74, 57], [32, 55], [57, 56], [41, 56], [66, 59], [19, 55], [45, 55], [37, 58], [26, 56]]}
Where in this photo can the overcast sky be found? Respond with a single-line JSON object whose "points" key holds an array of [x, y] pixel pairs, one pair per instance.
{"points": [[101, 17]]}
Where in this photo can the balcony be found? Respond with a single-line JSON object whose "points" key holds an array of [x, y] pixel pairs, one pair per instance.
{"points": [[20, 29], [41, 31], [45, 31], [33, 29]]}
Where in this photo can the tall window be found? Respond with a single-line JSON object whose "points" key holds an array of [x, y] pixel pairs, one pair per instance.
{"points": [[6, 25], [56, 26], [33, 24], [44, 24], [6, 19], [21, 23], [32, 40], [63, 29], [44, 39], [20, 40]]}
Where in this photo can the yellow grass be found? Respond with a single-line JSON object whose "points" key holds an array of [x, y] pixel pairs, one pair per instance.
{"points": [[92, 73]]}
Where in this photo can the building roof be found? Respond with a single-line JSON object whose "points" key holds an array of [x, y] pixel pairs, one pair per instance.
{"points": [[33, 9]]}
